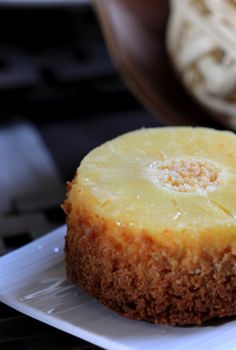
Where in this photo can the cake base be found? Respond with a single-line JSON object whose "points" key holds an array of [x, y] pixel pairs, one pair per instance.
{"points": [[141, 279]]}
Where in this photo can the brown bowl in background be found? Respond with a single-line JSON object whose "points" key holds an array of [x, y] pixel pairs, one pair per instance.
{"points": [[135, 34]]}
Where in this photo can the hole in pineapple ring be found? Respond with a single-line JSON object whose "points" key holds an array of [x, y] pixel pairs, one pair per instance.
{"points": [[185, 175]]}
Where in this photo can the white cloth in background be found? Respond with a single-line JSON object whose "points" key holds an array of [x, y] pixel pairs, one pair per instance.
{"points": [[26, 167]]}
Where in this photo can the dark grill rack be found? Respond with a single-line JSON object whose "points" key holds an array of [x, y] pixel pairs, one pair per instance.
{"points": [[54, 61]]}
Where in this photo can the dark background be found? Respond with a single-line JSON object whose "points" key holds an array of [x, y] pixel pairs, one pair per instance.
{"points": [[56, 72]]}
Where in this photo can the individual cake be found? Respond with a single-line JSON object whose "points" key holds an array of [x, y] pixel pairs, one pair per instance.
{"points": [[151, 221], [201, 41]]}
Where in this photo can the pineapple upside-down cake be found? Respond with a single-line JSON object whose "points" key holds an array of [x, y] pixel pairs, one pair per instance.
{"points": [[151, 221]]}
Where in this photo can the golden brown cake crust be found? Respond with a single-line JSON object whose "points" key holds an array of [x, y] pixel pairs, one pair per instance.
{"points": [[141, 279]]}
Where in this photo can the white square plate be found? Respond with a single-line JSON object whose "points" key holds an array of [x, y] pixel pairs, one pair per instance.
{"points": [[33, 281]]}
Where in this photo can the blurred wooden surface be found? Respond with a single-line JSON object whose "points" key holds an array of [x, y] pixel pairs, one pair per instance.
{"points": [[18, 331]]}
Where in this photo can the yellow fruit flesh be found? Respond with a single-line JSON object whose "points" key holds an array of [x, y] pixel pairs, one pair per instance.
{"points": [[115, 182]]}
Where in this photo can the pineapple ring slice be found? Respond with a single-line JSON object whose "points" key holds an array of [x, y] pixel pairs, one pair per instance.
{"points": [[152, 224]]}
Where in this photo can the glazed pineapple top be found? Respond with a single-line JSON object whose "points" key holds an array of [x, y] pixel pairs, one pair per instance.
{"points": [[162, 179]]}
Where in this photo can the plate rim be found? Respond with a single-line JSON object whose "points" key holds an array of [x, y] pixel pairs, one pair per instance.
{"points": [[41, 316]]}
